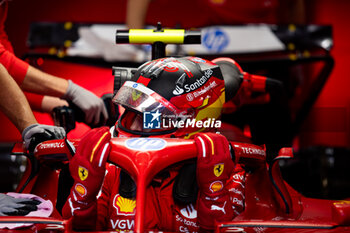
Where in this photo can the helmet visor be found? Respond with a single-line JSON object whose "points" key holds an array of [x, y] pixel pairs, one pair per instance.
{"points": [[140, 98]]}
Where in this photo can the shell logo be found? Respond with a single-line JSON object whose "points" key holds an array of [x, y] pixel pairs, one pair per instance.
{"points": [[81, 190], [124, 206], [216, 186]]}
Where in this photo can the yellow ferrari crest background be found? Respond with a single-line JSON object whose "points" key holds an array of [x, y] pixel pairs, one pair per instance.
{"points": [[218, 169], [83, 173], [135, 95]]}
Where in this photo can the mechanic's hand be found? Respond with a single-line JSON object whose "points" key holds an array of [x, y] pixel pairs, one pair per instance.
{"points": [[88, 165], [10, 206], [89, 103], [37, 133], [214, 167]]}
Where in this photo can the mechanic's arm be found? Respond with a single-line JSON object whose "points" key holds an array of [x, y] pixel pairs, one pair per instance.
{"points": [[15, 106], [44, 103], [136, 13], [48, 103], [46, 84], [42, 83], [13, 102], [33, 80]]}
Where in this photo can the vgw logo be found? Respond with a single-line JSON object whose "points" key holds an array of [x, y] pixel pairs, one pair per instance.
{"points": [[151, 120]]}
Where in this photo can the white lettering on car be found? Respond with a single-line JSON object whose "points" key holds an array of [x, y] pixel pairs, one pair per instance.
{"points": [[52, 145], [248, 150], [122, 224]]}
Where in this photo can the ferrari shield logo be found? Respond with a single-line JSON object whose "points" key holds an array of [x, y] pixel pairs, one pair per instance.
{"points": [[218, 169], [83, 173]]}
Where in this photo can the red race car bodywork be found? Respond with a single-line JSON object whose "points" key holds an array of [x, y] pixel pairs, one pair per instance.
{"points": [[271, 205]]}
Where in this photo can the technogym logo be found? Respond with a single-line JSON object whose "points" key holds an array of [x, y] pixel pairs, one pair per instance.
{"points": [[155, 120]]}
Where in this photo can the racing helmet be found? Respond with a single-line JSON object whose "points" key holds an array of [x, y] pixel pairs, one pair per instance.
{"points": [[168, 96]]}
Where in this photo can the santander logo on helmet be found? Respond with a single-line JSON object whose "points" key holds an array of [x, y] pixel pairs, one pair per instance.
{"points": [[180, 88], [179, 85]]}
